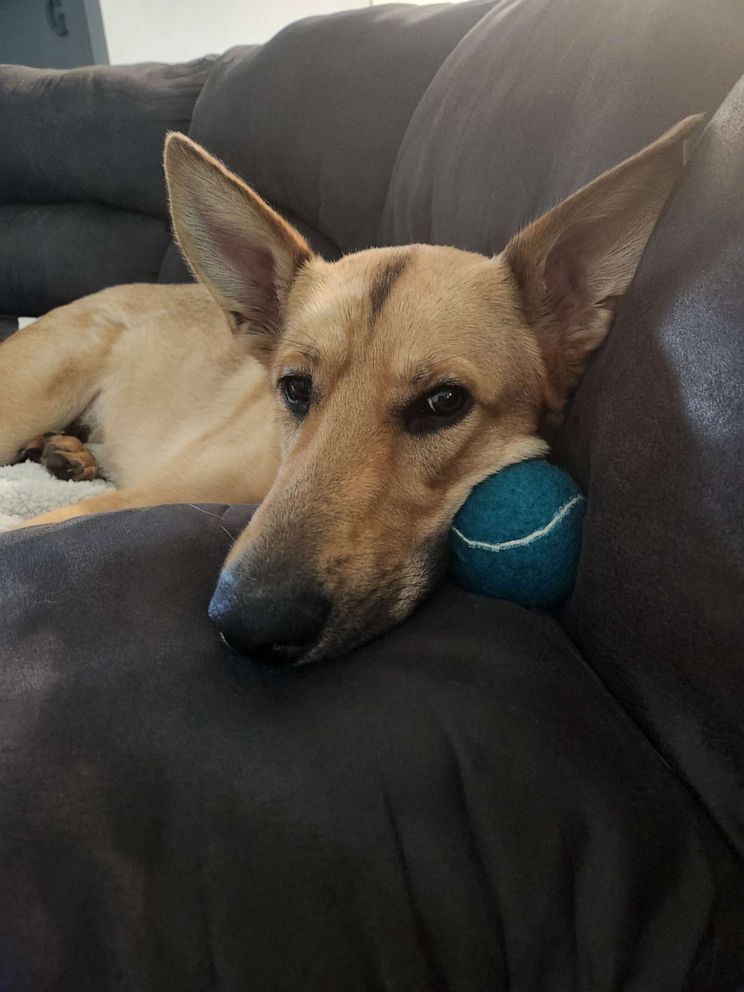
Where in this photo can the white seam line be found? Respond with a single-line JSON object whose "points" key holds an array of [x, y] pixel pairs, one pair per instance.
{"points": [[216, 517], [521, 541]]}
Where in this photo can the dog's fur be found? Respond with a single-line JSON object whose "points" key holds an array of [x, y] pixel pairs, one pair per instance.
{"points": [[182, 384]]}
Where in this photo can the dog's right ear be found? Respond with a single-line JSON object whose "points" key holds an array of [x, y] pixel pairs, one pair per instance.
{"points": [[573, 265], [241, 249]]}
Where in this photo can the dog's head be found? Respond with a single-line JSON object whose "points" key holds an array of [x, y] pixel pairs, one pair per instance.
{"points": [[403, 376]]}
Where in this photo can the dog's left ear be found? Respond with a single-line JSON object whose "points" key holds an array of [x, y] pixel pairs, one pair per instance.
{"points": [[242, 250], [573, 264]]}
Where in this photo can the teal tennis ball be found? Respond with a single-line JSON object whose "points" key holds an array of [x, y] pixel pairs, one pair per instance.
{"points": [[518, 535]]}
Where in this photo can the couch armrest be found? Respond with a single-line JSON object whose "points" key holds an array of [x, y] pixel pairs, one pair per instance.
{"points": [[93, 134], [82, 197]]}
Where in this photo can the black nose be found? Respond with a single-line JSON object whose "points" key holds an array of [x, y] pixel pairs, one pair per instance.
{"points": [[274, 620]]}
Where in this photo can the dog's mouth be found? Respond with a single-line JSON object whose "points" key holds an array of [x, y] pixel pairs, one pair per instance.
{"points": [[273, 655], [333, 641]]}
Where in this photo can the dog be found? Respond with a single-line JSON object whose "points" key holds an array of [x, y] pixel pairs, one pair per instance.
{"points": [[358, 402]]}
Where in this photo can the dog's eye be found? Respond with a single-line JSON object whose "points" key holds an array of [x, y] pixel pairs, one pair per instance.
{"points": [[297, 393], [443, 406], [447, 402]]}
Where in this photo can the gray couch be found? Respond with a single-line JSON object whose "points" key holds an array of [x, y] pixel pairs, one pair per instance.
{"points": [[488, 797]]}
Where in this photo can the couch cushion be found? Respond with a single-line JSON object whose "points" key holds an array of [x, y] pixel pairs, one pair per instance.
{"points": [[543, 95], [460, 805], [656, 433], [314, 118], [53, 254]]}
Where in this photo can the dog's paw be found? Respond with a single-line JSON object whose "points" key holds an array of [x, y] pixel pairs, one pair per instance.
{"points": [[62, 455], [66, 457]]}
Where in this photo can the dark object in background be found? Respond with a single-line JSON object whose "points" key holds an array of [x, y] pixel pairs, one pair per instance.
{"points": [[52, 34], [8, 326]]}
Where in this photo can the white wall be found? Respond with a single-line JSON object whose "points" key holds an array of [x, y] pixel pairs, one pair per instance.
{"points": [[177, 30]]}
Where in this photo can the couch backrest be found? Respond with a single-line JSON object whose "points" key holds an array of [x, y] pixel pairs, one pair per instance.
{"points": [[543, 95], [314, 119]]}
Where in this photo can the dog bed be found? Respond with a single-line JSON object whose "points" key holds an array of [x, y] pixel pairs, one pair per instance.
{"points": [[28, 489]]}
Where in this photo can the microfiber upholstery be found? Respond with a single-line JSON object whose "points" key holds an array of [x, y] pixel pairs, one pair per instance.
{"points": [[487, 798], [82, 197], [461, 805], [93, 134], [544, 96], [51, 254], [314, 118]]}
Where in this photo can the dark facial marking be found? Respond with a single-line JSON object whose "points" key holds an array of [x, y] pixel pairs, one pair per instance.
{"points": [[382, 283]]}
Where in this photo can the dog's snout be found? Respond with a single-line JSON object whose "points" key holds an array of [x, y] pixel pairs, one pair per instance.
{"points": [[271, 619]]}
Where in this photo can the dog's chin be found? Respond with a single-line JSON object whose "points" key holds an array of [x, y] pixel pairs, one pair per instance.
{"points": [[283, 655], [340, 639], [333, 645], [278, 655]]}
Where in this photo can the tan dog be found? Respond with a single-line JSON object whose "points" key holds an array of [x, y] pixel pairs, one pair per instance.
{"points": [[360, 401]]}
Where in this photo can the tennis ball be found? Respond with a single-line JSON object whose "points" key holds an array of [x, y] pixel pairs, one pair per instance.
{"points": [[518, 535]]}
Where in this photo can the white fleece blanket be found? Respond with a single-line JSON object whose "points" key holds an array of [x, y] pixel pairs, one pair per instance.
{"points": [[28, 489]]}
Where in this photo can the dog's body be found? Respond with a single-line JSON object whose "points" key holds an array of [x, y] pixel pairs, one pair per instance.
{"points": [[182, 411], [360, 401]]}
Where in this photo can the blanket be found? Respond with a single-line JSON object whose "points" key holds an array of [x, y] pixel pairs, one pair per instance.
{"points": [[28, 489]]}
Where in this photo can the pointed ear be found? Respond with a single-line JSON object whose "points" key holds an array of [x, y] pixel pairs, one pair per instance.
{"points": [[241, 249], [573, 264]]}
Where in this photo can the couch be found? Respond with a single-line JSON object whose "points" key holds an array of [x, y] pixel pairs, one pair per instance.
{"points": [[487, 798]]}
